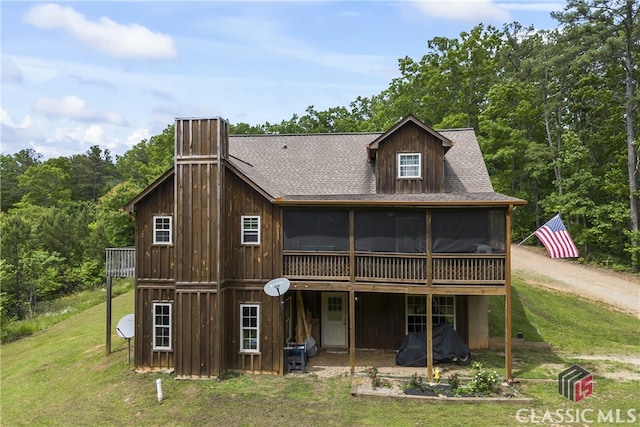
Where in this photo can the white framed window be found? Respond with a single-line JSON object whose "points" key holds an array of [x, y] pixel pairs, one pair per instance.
{"points": [[250, 229], [161, 326], [249, 328], [409, 165], [162, 229], [443, 309]]}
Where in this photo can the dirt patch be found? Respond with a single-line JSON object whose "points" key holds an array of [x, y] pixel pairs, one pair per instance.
{"points": [[618, 290]]}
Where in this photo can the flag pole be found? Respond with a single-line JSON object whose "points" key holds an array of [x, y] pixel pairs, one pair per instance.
{"points": [[526, 238]]}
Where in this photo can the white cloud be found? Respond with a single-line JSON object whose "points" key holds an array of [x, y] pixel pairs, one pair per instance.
{"points": [[82, 135], [5, 119], [74, 108], [464, 10], [10, 72], [137, 136], [121, 41], [535, 6]]}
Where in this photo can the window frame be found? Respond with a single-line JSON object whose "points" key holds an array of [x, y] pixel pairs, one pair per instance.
{"points": [[156, 229], [450, 317], [402, 167], [250, 328], [168, 326], [246, 232]]}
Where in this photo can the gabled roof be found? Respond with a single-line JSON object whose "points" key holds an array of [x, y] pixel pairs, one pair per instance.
{"points": [[373, 146], [335, 168], [324, 167]]}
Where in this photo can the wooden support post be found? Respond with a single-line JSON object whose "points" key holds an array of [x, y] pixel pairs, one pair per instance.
{"points": [[352, 331], [507, 336], [108, 337], [429, 333], [507, 300]]}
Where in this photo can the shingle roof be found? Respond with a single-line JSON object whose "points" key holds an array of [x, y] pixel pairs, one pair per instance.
{"points": [[335, 167]]}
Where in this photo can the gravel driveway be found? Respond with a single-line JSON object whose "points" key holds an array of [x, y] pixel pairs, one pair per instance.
{"points": [[618, 290]]}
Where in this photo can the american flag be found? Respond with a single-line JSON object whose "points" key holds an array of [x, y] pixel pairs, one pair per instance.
{"points": [[555, 237]]}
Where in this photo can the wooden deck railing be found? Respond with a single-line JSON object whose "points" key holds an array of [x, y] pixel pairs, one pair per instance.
{"points": [[121, 262], [446, 269], [316, 265], [404, 268], [477, 269]]}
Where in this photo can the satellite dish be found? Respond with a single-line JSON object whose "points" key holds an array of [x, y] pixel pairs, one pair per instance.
{"points": [[277, 287], [126, 326]]}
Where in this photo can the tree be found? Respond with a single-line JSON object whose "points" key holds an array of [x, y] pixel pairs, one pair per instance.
{"points": [[11, 167], [92, 174], [608, 32], [149, 159], [46, 184]]}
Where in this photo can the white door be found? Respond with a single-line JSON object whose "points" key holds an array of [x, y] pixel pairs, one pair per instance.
{"points": [[334, 319]]}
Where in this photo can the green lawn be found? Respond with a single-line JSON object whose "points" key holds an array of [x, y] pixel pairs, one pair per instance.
{"points": [[61, 376]]}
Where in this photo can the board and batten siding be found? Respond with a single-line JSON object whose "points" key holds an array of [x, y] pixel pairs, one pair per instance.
{"points": [[154, 261], [410, 139], [201, 146], [154, 276], [268, 359], [250, 262], [145, 357], [246, 269]]}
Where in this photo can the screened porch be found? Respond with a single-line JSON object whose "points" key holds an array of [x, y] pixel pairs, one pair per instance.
{"points": [[396, 246]]}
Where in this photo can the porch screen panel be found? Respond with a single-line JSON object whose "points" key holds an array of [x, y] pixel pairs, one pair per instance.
{"points": [[390, 231], [468, 231], [321, 230]]}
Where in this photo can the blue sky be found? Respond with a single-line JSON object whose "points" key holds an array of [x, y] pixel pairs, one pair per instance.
{"points": [[83, 73]]}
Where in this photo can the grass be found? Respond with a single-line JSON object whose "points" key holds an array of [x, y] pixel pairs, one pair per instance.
{"points": [[49, 313], [62, 377]]}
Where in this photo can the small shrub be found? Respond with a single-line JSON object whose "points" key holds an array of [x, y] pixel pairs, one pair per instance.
{"points": [[415, 382], [483, 381], [454, 382], [376, 381]]}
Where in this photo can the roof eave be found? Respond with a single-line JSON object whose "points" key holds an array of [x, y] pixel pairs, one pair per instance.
{"points": [[130, 206]]}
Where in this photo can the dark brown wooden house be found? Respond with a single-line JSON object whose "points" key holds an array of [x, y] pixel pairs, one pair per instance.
{"points": [[379, 233]]}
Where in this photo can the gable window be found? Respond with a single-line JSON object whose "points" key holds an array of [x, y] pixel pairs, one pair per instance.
{"points": [[250, 230], [162, 229], [409, 165], [443, 309], [161, 326], [249, 328]]}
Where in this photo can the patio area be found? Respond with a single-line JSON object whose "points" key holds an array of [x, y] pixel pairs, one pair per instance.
{"points": [[331, 362]]}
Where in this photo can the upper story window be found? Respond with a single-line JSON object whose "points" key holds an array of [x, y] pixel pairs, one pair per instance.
{"points": [[162, 229], [409, 165], [250, 230], [161, 326], [249, 328]]}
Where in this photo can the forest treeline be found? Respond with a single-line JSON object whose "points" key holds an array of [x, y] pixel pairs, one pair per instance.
{"points": [[556, 114]]}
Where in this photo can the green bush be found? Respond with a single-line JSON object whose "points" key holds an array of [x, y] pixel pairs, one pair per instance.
{"points": [[483, 381]]}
